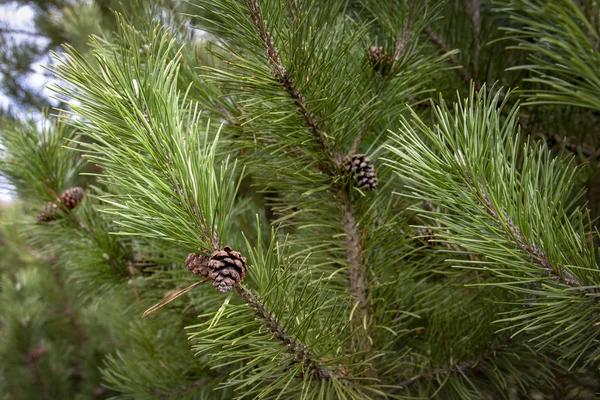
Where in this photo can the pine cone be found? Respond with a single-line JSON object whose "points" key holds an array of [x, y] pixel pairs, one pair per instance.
{"points": [[380, 59], [72, 197], [48, 213], [197, 264], [360, 169], [224, 267]]}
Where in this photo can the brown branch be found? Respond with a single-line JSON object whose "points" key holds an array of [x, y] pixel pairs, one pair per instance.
{"points": [[300, 353], [591, 155], [293, 4], [401, 43], [360, 316], [175, 11], [452, 59], [182, 390], [474, 10], [16, 31], [400, 47], [132, 275], [30, 356], [68, 309], [537, 255], [280, 72], [114, 263], [348, 220], [357, 141], [588, 11], [462, 368]]}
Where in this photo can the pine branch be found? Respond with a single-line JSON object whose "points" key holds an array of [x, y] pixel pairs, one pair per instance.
{"points": [[563, 63], [538, 256], [300, 353], [16, 31], [591, 155], [118, 264], [588, 9], [401, 42], [360, 315], [474, 9], [357, 141], [464, 74], [133, 284], [349, 223], [32, 364], [175, 12], [68, 309], [182, 390], [34, 369], [280, 72], [463, 368]]}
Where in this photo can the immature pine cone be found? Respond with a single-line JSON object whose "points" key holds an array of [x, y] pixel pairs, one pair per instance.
{"points": [[48, 213], [380, 59], [72, 197], [359, 167], [224, 267]]}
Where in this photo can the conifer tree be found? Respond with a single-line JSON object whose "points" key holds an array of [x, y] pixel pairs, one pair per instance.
{"points": [[315, 200]]}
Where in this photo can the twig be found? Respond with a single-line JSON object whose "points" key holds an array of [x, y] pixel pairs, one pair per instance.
{"points": [[294, 10], [357, 140], [68, 310], [588, 10], [538, 256], [589, 153], [175, 11], [474, 9], [466, 77], [352, 241], [280, 72], [360, 316], [401, 42], [462, 368], [182, 390], [16, 31], [300, 353], [114, 263], [132, 274], [30, 359]]}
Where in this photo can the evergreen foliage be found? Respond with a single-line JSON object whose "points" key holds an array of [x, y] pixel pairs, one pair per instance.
{"points": [[469, 271]]}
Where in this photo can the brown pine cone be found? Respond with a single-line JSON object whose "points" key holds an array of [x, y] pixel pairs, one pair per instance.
{"points": [[361, 170], [48, 212], [380, 59], [226, 268], [72, 197], [197, 264]]}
